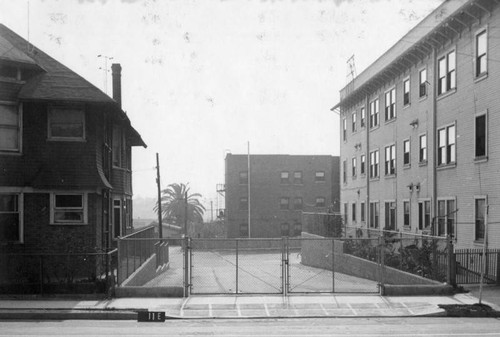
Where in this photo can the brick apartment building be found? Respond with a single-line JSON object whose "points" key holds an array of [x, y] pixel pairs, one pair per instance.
{"points": [[419, 130], [65, 156], [282, 187]]}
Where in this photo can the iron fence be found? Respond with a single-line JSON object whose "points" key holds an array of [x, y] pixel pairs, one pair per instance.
{"points": [[41, 274], [469, 264]]}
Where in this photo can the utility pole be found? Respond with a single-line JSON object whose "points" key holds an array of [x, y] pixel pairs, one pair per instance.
{"points": [[186, 214], [160, 226], [249, 208]]}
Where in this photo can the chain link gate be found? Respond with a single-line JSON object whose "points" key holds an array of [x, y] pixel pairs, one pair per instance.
{"points": [[270, 266]]}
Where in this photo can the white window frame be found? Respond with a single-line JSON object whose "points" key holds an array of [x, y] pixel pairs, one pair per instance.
{"points": [[374, 165], [376, 214], [390, 161], [406, 94], [390, 104], [19, 128], [354, 166], [422, 159], [284, 177], [20, 210], [320, 177], [84, 208], [283, 204], [477, 57], [79, 108], [422, 82], [354, 122], [362, 118], [480, 114], [387, 216], [485, 198], [406, 142], [447, 146], [318, 204], [374, 111], [362, 164], [407, 202], [446, 216], [421, 215], [449, 87]]}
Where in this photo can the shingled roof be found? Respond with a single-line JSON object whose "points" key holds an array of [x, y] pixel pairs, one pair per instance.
{"points": [[55, 81]]}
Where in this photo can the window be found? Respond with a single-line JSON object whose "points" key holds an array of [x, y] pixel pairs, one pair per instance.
{"points": [[363, 162], [374, 157], [320, 176], [406, 92], [390, 160], [422, 152], [390, 215], [481, 53], [362, 209], [446, 217], [374, 110], [374, 214], [480, 136], [117, 146], [363, 117], [346, 205], [353, 213], [284, 203], [353, 161], [320, 202], [243, 178], [354, 126], [68, 209], [10, 128], [344, 129], [297, 228], [243, 204], [285, 177], [344, 171], [285, 229], [390, 104], [66, 123], [297, 177], [243, 230], [446, 73], [406, 152], [446, 145], [479, 214], [297, 203], [117, 218], [424, 214], [422, 80], [10, 217], [406, 213]]}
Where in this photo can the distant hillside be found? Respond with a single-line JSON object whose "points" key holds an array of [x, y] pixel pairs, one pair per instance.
{"points": [[143, 208]]}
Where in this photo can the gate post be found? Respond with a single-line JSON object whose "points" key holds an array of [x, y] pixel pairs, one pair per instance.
{"points": [[452, 263], [237, 266], [333, 265], [119, 260], [284, 266], [381, 244]]}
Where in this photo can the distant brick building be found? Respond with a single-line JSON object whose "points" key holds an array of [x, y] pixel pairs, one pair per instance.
{"points": [[65, 156], [419, 129], [282, 187]]}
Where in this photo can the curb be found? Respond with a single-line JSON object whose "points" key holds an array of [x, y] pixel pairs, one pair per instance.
{"points": [[64, 314]]}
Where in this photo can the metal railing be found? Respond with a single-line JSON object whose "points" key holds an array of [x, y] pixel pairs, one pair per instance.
{"points": [[68, 273], [469, 263]]}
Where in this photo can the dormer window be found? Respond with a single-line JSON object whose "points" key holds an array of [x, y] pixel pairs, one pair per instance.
{"points": [[66, 124]]}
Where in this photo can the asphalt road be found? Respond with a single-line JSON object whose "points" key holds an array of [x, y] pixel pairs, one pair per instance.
{"points": [[363, 327]]}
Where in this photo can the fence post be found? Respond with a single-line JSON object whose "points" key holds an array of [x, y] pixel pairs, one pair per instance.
{"points": [[333, 265], [41, 274], [119, 260], [452, 263], [186, 266], [381, 241], [237, 266], [498, 268]]}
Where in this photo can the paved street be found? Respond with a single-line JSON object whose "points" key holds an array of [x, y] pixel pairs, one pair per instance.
{"points": [[365, 327]]}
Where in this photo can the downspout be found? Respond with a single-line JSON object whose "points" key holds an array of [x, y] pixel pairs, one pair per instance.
{"points": [[434, 150], [367, 166]]}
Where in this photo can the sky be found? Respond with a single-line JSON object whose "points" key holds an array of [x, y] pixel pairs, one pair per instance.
{"points": [[201, 78]]}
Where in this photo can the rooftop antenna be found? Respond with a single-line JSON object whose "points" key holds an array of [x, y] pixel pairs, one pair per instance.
{"points": [[105, 70], [351, 69]]}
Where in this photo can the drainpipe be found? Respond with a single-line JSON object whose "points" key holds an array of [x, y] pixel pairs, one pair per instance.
{"points": [[434, 123], [367, 165]]}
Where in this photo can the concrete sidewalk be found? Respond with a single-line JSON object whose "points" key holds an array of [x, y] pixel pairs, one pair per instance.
{"points": [[198, 307]]}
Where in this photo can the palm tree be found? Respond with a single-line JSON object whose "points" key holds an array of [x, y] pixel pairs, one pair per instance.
{"points": [[173, 203]]}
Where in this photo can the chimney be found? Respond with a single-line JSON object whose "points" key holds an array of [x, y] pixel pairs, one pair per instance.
{"points": [[116, 71]]}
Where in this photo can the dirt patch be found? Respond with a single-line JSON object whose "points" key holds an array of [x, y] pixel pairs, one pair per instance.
{"points": [[469, 310]]}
